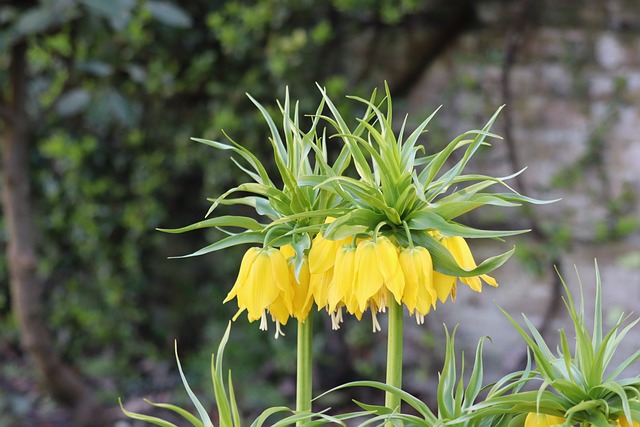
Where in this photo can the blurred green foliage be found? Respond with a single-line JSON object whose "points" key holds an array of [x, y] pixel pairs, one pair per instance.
{"points": [[115, 91]]}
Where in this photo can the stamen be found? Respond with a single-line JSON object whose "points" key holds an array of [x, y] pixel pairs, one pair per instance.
{"points": [[335, 324], [263, 321], [278, 330], [376, 325], [382, 300], [336, 319], [419, 319]]}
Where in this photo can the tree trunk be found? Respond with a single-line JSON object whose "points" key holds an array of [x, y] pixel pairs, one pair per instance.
{"points": [[64, 383]]}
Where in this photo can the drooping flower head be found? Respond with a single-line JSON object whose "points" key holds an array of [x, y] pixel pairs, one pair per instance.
{"points": [[301, 303], [264, 286], [395, 236], [419, 292], [403, 207]]}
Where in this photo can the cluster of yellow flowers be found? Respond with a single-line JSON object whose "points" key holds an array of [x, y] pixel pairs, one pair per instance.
{"points": [[354, 274]]}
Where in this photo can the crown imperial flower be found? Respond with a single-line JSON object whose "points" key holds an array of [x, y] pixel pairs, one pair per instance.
{"points": [[419, 294], [263, 285], [302, 302], [462, 254], [378, 271], [339, 226]]}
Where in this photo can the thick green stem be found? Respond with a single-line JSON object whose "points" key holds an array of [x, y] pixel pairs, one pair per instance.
{"points": [[394, 354], [303, 383]]}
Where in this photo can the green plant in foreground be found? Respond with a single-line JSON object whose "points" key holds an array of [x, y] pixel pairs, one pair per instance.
{"points": [[226, 402], [227, 408], [576, 387], [455, 399], [579, 386]]}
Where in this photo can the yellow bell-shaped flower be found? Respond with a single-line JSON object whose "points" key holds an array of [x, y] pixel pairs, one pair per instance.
{"points": [[344, 273], [377, 269], [444, 285], [243, 275], [322, 258], [302, 302], [622, 422], [542, 420], [462, 254], [419, 294], [263, 278]]}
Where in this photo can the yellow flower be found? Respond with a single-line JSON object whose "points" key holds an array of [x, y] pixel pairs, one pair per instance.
{"points": [[322, 258], [377, 269], [340, 291], [419, 294], [341, 287], [245, 268], [319, 287], [444, 285], [462, 254], [542, 420], [263, 285], [322, 254], [622, 422], [301, 299]]}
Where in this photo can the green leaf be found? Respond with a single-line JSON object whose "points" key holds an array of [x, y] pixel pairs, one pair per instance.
{"points": [[220, 221], [425, 220], [438, 160], [280, 150], [260, 204], [234, 405], [169, 13], [227, 242], [541, 356], [301, 244], [358, 158], [444, 262], [622, 366], [184, 413], [527, 401], [73, 102], [222, 402], [412, 401], [201, 411], [597, 311], [37, 20], [356, 221], [117, 12], [320, 213], [262, 418], [407, 148], [475, 380], [443, 183], [358, 193], [447, 380], [146, 418], [376, 409], [246, 154]]}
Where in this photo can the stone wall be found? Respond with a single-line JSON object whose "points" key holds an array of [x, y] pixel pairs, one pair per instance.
{"points": [[575, 112]]}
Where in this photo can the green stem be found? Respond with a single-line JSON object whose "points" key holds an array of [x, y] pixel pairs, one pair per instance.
{"points": [[394, 354], [305, 355]]}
